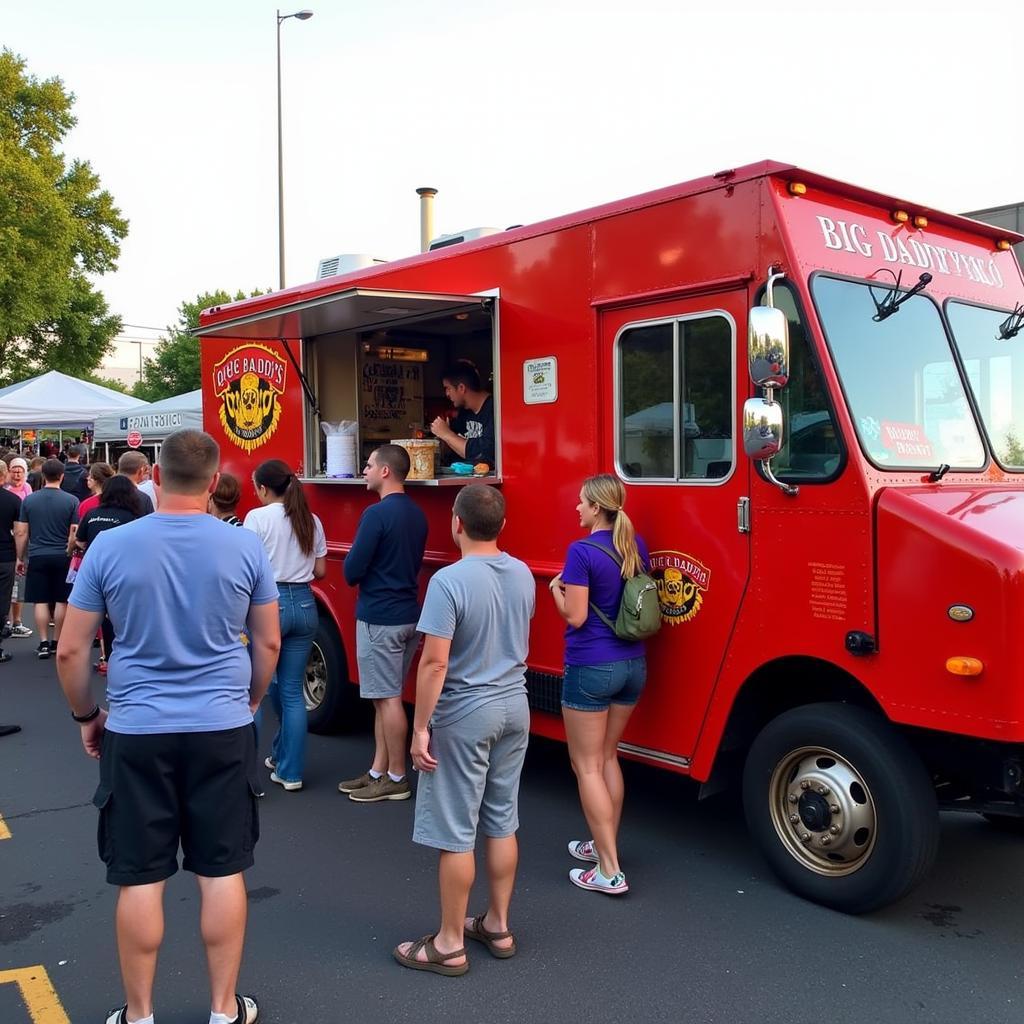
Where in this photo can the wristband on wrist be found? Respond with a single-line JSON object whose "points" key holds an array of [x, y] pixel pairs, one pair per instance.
{"points": [[82, 719]]}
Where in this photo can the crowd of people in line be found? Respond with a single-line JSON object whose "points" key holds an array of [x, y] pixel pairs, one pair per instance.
{"points": [[177, 743]]}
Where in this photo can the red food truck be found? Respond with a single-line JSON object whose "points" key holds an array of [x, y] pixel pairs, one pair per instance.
{"points": [[814, 394]]}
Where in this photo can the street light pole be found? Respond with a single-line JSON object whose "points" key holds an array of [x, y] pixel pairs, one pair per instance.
{"points": [[301, 16]]}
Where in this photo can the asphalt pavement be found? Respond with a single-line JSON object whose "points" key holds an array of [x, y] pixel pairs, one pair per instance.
{"points": [[705, 935]]}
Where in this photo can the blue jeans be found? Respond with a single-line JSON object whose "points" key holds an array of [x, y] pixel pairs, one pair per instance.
{"points": [[298, 627]]}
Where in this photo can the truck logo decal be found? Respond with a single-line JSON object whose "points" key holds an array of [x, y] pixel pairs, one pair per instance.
{"points": [[249, 382], [682, 583]]}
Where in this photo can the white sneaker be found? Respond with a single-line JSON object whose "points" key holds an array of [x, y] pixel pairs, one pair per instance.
{"points": [[20, 630], [593, 879], [270, 763], [274, 777], [583, 849]]}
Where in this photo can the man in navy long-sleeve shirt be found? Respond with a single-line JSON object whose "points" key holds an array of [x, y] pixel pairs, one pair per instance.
{"points": [[384, 562]]}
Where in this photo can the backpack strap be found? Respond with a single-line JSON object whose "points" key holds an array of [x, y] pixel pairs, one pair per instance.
{"points": [[614, 555]]}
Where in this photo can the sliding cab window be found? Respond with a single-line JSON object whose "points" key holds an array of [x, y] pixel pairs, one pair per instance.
{"points": [[994, 364], [676, 387], [812, 451]]}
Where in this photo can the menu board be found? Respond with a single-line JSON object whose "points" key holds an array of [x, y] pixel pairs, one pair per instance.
{"points": [[390, 397]]}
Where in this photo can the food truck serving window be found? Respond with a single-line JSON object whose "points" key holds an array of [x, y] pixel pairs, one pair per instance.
{"points": [[388, 380], [675, 401]]}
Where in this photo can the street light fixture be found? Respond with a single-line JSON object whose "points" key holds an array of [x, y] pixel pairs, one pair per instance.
{"points": [[303, 15]]}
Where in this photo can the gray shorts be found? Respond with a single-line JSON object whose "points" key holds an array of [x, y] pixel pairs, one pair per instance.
{"points": [[384, 654], [476, 781]]}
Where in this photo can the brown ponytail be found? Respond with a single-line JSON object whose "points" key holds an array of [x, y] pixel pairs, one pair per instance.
{"points": [[607, 492], [278, 478]]}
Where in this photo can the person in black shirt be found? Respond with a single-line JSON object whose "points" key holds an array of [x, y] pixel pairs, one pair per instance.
{"points": [[76, 473], [10, 509], [471, 433], [120, 503]]}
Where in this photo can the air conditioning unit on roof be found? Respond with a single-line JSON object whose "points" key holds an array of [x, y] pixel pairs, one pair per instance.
{"points": [[461, 236], [345, 264]]}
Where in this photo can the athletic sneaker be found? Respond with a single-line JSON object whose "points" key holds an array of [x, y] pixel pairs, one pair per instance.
{"points": [[290, 786], [593, 879], [248, 1010], [43, 650], [381, 789], [20, 630], [118, 1016], [270, 763], [351, 785], [583, 849]]}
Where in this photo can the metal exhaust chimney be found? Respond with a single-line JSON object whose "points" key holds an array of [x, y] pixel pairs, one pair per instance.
{"points": [[426, 216]]}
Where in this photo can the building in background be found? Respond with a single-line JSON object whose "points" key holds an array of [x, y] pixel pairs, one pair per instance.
{"points": [[1009, 217], [124, 363]]}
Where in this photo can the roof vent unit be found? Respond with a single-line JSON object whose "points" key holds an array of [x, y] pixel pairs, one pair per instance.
{"points": [[443, 241], [345, 264]]}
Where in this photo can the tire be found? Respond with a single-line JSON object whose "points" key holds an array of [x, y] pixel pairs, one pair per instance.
{"points": [[867, 825], [330, 698]]}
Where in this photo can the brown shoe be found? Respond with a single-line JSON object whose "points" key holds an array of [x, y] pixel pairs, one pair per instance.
{"points": [[381, 789], [351, 785]]}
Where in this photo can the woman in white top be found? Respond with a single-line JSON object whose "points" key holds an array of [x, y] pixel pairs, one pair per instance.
{"points": [[294, 539]]}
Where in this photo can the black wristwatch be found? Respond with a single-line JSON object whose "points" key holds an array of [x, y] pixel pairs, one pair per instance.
{"points": [[82, 719]]}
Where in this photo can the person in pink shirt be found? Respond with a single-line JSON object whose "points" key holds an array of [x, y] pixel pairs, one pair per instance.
{"points": [[17, 478]]}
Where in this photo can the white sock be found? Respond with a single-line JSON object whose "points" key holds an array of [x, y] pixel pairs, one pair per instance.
{"points": [[220, 1018], [395, 778], [376, 775], [141, 1020]]}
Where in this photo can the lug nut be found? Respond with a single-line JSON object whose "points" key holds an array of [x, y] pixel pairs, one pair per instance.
{"points": [[823, 790], [834, 808], [834, 829], [794, 818], [805, 784], [825, 840], [792, 798], [805, 837]]}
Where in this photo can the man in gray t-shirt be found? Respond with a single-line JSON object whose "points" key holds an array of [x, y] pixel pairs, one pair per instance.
{"points": [[42, 535], [471, 728]]}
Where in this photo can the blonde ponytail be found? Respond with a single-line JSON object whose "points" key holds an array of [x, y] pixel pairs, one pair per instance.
{"points": [[606, 491]]}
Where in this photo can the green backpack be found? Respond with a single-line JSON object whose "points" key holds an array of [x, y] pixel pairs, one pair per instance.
{"points": [[639, 611]]}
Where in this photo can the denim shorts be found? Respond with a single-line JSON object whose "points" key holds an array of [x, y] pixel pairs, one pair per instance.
{"points": [[594, 687]]}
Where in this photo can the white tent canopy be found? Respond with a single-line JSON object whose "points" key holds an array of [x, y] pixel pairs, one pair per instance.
{"points": [[154, 421], [55, 401]]}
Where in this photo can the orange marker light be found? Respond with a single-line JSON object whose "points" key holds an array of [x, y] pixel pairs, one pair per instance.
{"points": [[797, 188], [964, 666], [1002, 245], [920, 222], [900, 216]]}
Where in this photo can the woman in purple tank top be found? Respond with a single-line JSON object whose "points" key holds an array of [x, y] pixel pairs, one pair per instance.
{"points": [[604, 676]]}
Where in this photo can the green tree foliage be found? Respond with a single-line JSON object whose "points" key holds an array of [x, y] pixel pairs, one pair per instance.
{"points": [[57, 225], [174, 366]]}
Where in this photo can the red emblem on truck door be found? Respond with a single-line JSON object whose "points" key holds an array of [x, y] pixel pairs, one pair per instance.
{"points": [[249, 381]]}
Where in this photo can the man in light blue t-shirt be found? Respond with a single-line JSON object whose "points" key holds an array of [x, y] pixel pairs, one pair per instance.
{"points": [[471, 728], [178, 763]]}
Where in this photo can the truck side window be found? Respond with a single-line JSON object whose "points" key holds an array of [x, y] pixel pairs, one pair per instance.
{"points": [[676, 391], [811, 448]]}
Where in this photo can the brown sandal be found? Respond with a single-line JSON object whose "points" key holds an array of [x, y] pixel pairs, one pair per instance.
{"points": [[435, 962], [479, 933]]}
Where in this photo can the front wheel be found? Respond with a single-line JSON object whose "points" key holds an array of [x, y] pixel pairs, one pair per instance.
{"points": [[840, 806], [326, 690]]}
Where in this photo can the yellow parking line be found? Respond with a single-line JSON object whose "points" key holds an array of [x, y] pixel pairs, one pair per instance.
{"points": [[5, 832], [43, 1005]]}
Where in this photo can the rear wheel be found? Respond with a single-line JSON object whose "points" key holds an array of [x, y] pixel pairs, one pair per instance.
{"points": [[840, 806], [330, 698]]}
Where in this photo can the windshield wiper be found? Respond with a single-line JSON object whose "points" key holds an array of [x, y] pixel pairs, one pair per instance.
{"points": [[1012, 325], [894, 298]]}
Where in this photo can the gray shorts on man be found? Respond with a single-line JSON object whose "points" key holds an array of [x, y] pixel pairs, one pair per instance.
{"points": [[384, 654]]}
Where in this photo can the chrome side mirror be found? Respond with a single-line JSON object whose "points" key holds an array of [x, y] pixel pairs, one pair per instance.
{"points": [[768, 347], [762, 429]]}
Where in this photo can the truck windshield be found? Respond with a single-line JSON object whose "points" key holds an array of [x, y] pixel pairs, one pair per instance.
{"points": [[906, 396], [995, 372]]}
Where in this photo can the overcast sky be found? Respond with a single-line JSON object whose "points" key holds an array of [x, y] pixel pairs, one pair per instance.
{"points": [[516, 110]]}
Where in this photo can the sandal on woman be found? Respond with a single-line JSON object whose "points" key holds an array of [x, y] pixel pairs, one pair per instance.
{"points": [[479, 933], [436, 961]]}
